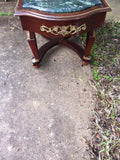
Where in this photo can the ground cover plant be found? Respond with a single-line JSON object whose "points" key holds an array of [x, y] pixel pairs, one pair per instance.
{"points": [[105, 143]]}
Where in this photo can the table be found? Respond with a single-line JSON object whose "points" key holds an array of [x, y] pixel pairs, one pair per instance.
{"points": [[58, 20]]}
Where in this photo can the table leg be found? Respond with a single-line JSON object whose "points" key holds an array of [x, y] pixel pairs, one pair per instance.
{"points": [[31, 38], [89, 43]]}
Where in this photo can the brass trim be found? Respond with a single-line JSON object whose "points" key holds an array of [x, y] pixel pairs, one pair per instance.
{"points": [[35, 60], [87, 58], [28, 35], [63, 30]]}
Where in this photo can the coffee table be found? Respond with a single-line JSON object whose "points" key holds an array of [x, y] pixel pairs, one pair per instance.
{"points": [[58, 20]]}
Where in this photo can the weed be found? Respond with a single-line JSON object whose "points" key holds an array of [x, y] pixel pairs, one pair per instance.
{"points": [[96, 74]]}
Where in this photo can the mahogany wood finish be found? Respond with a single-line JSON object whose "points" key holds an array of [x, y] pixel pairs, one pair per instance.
{"points": [[59, 27]]}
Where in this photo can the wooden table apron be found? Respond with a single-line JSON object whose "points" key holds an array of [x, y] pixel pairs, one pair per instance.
{"points": [[34, 24]]}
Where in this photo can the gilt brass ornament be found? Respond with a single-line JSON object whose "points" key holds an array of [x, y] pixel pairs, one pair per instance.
{"points": [[63, 30]]}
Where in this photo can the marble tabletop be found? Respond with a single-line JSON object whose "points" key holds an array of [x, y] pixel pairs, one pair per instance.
{"points": [[60, 6]]}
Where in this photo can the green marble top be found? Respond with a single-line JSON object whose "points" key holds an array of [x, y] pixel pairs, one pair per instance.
{"points": [[60, 6]]}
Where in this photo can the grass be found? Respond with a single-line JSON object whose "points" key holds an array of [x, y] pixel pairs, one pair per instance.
{"points": [[105, 66], [6, 14]]}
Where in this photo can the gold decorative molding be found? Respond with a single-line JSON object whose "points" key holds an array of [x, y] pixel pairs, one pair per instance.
{"points": [[28, 36], [63, 30], [87, 58]]}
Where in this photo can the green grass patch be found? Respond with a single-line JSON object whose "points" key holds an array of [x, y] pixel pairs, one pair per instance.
{"points": [[6, 14]]}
